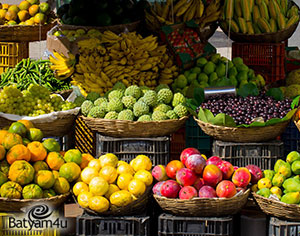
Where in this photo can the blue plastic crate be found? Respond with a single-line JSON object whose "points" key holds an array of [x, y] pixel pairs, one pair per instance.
{"points": [[291, 138]]}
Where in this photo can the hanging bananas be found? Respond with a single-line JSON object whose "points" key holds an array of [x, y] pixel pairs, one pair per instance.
{"points": [[62, 66]]}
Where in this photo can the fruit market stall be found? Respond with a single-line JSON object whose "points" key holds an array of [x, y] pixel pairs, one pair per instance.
{"points": [[135, 124]]}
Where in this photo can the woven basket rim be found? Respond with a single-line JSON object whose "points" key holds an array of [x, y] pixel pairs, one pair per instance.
{"points": [[283, 204], [35, 200]]}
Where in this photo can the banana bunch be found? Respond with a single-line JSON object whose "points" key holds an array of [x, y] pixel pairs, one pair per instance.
{"points": [[128, 58], [169, 12], [62, 66]]}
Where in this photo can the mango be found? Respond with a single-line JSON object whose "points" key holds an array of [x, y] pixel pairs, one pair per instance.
{"points": [[296, 167], [285, 170], [291, 198], [265, 192], [278, 164], [291, 184], [269, 174], [278, 180], [293, 156]]}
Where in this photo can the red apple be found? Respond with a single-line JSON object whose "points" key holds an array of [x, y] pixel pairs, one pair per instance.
{"points": [[186, 177], [212, 175], [226, 189], [188, 192], [235, 168], [226, 168], [241, 177], [214, 160], [159, 173], [187, 152], [157, 188], [207, 192], [195, 163], [199, 183], [256, 173], [173, 167], [170, 189]]}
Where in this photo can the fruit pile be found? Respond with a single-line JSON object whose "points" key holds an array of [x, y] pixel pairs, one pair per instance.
{"points": [[72, 35], [32, 167], [212, 72], [164, 13], [107, 183], [283, 181], [135, 104], [292, 88], [101, 13], [194, 176], [127, 58], [29, 71], [35, 100], [245, 110], [28, 12], [258, 17]]}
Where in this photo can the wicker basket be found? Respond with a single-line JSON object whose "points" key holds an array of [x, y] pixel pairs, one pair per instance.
{"points": [[65, 93], [276, 37], [15, 205], [137, 207], [243, 135], [203, 206], [277, 208], [131, 129], [25, 33]]}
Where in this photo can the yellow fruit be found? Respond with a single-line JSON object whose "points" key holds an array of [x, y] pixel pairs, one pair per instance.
{"points": [[33, 10], [121, 198], [24, 5], [29, 22], [11, 15], [83, 199], [125, 168], [80, 187], [40, 18], [98, 204], [95, 164], [264, 183], [121, 163], [88, 173], [112, 189], [2, 14], [136, 187], [108, 159], [109, 173], [204, 156], [14, 8], [144, 176], [123, 180], [98, 186], [254, 188], [141, 162], [5, 6], [276, 190]]}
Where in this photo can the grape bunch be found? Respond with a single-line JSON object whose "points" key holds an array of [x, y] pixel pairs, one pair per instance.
{"points": [[244, 110], [36, 100]]}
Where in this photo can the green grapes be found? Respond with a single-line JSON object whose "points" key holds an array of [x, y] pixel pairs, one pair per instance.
{"points": [[34, 101]]}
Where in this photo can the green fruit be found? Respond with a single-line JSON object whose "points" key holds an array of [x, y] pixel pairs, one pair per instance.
{"points": [[221, 70], [291, 184], [233, 81], [296, 167], [196, 70], [278, 180], [215, 58], [242, 83], [265, 192], [293, 156], [237, 61], [213, 77], [242, 76], [242, 67], [202, 77], [209, 68], [232, 71], [291, 198], [269, 174], [230, 64], [186, 73], [191, 77], [278, 163], [201, 62], [181, 81]]}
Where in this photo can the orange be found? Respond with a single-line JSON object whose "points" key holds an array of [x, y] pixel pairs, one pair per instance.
{"points": [[33, 9], [26, 141], [32, 191], [3, 178], [141, 162], [11, 140], [45, 179], [123, 181], [51, 145], [145, 176], [109, 173], [35, 134], [5, 6], [4, 166], [83, 198], [2, 152], [2, 135], [14, 8], [86, 158], [38, 152], [2, 14], [40, 165], [88, 174], [98, 186], [98, 204], [62, 153], [95, 164], [10, 15], [71, 171], [136, 187], [18, 152], [18, 128], [11, 189], [21, 172], [54, 160], [111, 189], [47, 193], [61, 185], [29, 22], [24, 5], [125, 168], [73, 155], [121, 198], [55, 174], [80, 187], [108, 159]]}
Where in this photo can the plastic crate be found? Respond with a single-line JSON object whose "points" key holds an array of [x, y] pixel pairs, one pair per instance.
{"points": [[177, 144], [290, 138], [108, 225], [169, 225], [195, 137], [12, 53], [264, 155], [267, 59], [126, 149], [279, 227]]}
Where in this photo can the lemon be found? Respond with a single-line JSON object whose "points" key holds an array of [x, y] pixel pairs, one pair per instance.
{"points": [[95, 164], [276, 190], [98, 186], [98, 204], [145, 176], [88, 173], [123, 180], [83, 198], [111, 189], [121, 163], [109, 173], [136, 187], [121, 198], [264, 183], [108, 159], [141, 162], [125, 168], [80, 187]]}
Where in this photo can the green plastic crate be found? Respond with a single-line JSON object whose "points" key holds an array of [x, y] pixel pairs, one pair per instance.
{"points": [[195, 137]]}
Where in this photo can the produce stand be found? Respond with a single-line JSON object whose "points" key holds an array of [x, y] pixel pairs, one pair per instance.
{"points": [[136, 125]]}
